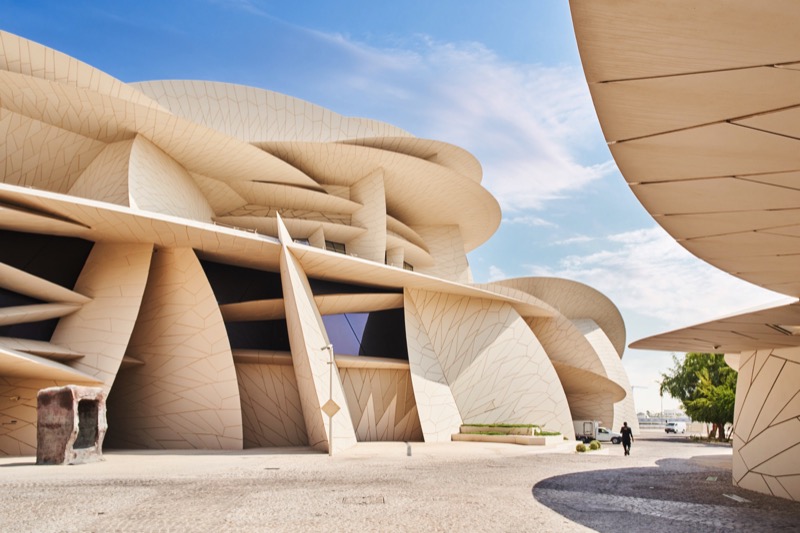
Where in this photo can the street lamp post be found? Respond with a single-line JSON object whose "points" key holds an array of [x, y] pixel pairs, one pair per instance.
{"points": [[330, 408]]}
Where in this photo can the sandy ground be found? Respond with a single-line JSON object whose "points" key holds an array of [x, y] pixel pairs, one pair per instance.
{"points": [[379, 487]]}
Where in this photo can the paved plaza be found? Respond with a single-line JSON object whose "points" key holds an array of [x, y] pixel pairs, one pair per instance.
{"points": [[667, 484]]}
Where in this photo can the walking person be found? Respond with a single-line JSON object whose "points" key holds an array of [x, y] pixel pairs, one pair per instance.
{"points": [[627, 438]]}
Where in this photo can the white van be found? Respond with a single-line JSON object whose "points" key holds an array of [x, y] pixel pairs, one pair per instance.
{"points": [[589, 430], [675, 427]]}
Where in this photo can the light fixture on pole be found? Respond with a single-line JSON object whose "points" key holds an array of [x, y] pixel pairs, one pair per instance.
{"points": [[330, 408]]}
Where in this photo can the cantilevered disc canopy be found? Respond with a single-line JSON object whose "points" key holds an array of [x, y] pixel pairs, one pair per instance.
{"points": [[771, 327], [700, 105]]}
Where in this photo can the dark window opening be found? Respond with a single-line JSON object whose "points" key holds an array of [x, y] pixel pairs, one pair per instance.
{"points": [[259, 335], [378, 334], [56, 259], [385, 335], [337, 247], [233, 284], [408, 266], [15, 299], [321, 287], [88, 411], [35, 331]]}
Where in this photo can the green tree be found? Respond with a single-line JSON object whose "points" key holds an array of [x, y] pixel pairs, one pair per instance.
{"points": [[705, 386]]}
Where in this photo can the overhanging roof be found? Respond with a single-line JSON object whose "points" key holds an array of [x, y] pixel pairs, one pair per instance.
{"points": [[700, 105], [773, 327]]}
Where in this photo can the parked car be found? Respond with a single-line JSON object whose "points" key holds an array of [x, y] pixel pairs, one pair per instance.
{"points": [[675, 427], [606, 435]]}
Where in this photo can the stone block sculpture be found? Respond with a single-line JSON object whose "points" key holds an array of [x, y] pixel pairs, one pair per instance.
{"points": [[71, 425]]}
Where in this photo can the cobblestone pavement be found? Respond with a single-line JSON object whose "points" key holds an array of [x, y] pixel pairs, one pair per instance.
{"points": [[670, 485]]}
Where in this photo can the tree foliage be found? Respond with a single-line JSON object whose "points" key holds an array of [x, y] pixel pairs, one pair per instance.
{"points": [[706, 386]]}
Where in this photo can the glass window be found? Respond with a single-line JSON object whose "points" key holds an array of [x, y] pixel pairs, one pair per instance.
{"points": [[337, 247], [345, 331]]}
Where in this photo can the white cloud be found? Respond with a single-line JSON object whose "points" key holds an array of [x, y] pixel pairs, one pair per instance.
{"points": [[639, 236], [646, 272], [658, 286], [496, 274], [522, 121], [529, 220], [578, 239], [526, 123]]}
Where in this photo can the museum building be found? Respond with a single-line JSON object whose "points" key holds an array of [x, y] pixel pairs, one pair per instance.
{"points": [[238, 268]]}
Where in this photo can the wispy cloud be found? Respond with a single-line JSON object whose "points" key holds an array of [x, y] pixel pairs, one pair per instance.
{"points": [[526, 123], [496, 274], [578, 239], [522, 121], [529, 220], [647, 272]]}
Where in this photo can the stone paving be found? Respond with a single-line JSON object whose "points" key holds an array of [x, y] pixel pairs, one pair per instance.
{"points": [[675, 501], [678, 494], [669, 484]]}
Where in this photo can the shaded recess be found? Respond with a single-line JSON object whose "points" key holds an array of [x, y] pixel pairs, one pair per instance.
{"points": [[234, 284], [13, 299], [35, 331], [385, 335], [87, 423], [56, 259], [376, 334], [53, 258], [259, 335], [323, 287]]}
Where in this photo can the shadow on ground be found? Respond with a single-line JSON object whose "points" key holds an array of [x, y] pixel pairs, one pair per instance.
{"points": [[678, 495]]}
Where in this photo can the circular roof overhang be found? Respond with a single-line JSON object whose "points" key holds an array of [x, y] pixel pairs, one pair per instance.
{"points": [[700, 105]]}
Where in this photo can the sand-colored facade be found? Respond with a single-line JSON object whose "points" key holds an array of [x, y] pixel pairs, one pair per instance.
{"points": [[699, 104], [197, 248]]}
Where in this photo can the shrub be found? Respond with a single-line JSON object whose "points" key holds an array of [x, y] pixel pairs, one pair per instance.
{"points": [[580, 447], [549, 433], [594, 445]]}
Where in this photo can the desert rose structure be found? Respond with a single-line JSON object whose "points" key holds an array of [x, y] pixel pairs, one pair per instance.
{"points": [[202, 251], [700, 105]]}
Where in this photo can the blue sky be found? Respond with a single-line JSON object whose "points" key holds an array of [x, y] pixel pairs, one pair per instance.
{"points": [[500, 79]]}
